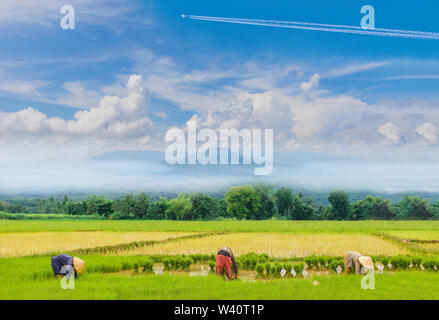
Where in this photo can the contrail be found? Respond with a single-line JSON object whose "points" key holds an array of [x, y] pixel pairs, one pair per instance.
{"points": [[381, 32]]}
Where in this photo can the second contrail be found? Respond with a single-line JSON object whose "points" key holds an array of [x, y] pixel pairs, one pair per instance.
{"points": [[397, 33]]}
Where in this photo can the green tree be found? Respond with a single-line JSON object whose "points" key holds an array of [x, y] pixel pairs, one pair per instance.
{"points": [[413, 208], [340, 208], [362, 209], [222, 208], [284, 201], [105, 208], [125, 206], [98, 205], [51, 207], [372, 208], [242, 202], [267, 205], [180, 208], [204, 206], [75, 207], [42, 205], [59, 207], [322, 213], [302, 208], [65, 199], [141, 205], [12, 207], [158, 209]]}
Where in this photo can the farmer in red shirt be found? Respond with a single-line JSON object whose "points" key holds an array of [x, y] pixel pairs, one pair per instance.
{"points": [[224, 261]]}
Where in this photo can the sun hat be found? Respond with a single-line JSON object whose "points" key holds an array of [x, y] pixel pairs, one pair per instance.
{"points": [[367, 262], [79, 265]]}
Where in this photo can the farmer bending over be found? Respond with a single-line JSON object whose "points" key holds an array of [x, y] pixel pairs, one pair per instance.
{"points": [[65, 260], [356, 259], [224, 260]]}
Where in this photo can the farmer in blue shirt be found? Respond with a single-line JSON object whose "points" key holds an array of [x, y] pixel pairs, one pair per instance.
{"points": [[59, 261]]}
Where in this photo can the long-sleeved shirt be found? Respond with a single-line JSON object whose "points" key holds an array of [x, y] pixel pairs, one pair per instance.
{"points": [[351, 259], [226, 251], [62, 260]]}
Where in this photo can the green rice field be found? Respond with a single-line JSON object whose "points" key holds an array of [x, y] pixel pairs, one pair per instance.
{"points": [[171, 259]]}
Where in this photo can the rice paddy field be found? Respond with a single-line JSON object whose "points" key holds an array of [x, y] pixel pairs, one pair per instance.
{"points": [[278, 245], [171, 259], [18, 244]]}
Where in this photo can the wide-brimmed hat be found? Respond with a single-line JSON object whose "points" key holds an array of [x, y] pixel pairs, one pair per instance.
{"points": [[366, 262], [79, 265]]}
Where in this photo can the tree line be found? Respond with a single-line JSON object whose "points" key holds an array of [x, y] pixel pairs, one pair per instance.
{"points": [[249, 202]]}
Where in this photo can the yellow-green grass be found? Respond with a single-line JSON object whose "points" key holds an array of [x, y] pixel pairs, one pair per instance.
{"points": [[36, 243], [120, 287], [417, 234], [430, 247], [18, 282], [226, 226], [276, 245]]}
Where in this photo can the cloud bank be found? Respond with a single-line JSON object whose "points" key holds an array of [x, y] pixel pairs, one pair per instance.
{"points": [[116, 123], [304, 114]]}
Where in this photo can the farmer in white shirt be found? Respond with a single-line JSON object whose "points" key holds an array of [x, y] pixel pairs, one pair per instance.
{"points": [[357, 260]]}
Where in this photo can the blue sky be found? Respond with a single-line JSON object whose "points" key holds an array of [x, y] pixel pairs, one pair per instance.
{"points": [[132, 69]]}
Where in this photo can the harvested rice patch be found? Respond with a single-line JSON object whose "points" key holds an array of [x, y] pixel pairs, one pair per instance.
{"points": [[34, 243], [277, 245]]}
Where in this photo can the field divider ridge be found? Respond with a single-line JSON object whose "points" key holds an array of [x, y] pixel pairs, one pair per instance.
{"points": [[145, 243], [410, 244]]}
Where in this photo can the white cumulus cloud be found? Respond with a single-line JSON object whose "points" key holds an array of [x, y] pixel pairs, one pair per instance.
{"points": [[114, 122], [391, 132], [428, 131], [311, 84]]}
